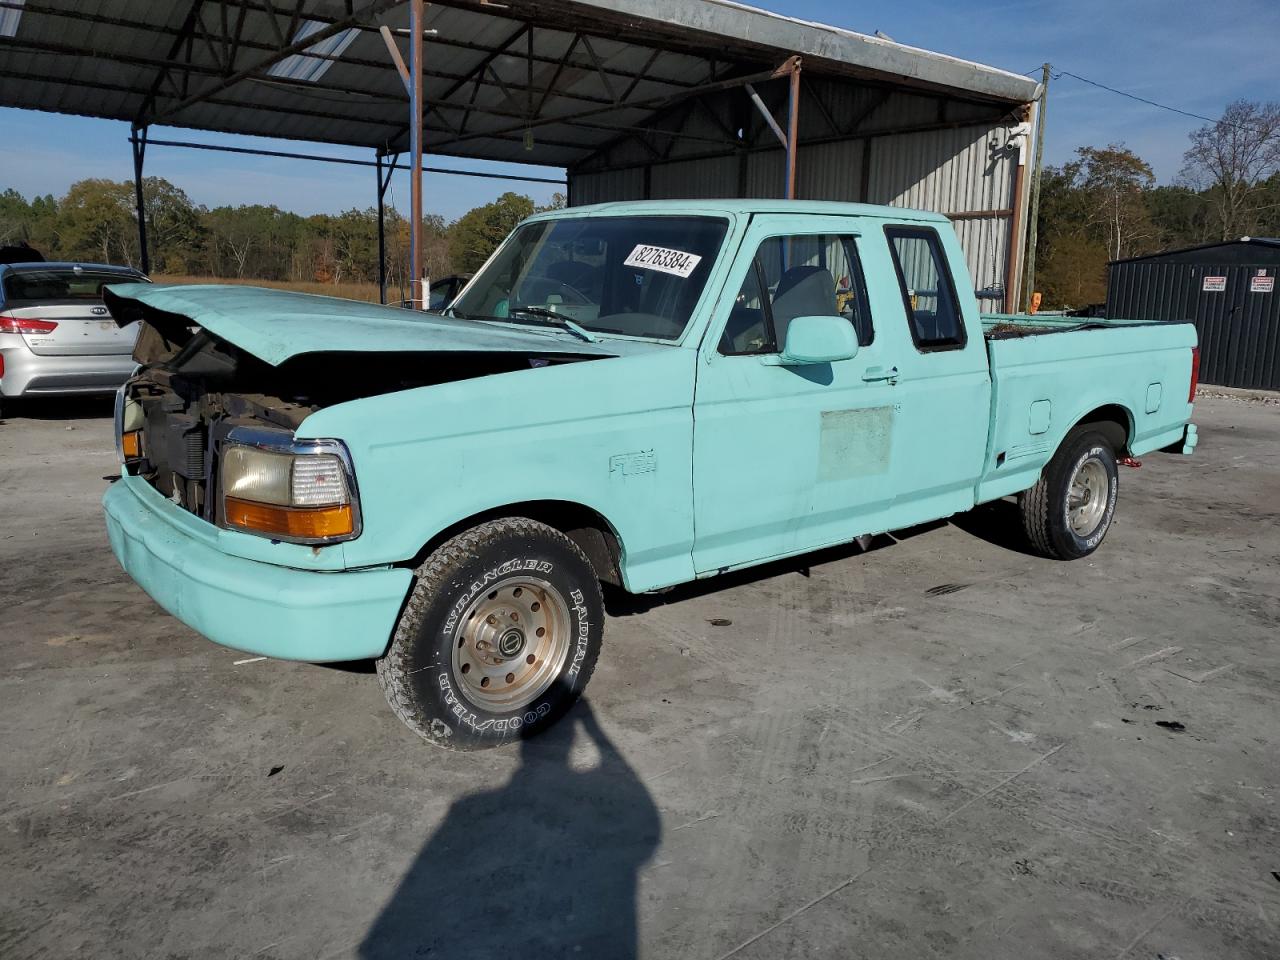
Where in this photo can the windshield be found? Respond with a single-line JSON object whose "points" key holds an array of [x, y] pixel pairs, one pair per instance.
{"points": [[635, 276], [60, 283]]}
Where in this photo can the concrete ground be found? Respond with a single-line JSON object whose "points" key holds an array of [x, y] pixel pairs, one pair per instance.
{"points": [[941, 747]]}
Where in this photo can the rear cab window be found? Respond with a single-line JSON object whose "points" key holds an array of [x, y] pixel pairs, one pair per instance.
{"points": [[928, 291], [59, 284], [794, 276]]}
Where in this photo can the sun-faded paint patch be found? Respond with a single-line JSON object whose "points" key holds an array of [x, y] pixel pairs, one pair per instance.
{"points": [[855, 443]]}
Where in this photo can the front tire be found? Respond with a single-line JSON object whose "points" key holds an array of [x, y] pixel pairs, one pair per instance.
{"points": [[498, 638], [1070, 509]]}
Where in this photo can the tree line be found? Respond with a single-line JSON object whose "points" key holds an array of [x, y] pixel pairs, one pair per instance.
{"points": [[96, 221], [1105, 204]]}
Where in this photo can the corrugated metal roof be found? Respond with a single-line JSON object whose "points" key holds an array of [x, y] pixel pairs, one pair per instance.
{"points": [[548, 82]]}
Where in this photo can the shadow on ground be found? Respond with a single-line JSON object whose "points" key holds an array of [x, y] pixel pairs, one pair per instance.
{"points": [[543, 866], [999, 523]]}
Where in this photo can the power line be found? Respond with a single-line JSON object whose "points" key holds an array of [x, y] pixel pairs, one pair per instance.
{"points": [[1151, 103], [1134, 96]]}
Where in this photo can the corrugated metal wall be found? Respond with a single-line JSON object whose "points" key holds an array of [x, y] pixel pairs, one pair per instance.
{"points": [[625, 184], [1239, 329], [964, 169]]}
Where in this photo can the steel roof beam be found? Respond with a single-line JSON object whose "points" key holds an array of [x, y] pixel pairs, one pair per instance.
{"points": [[644, 103], [305, 87], [364, 13], [250, 44], [184, 35], [582, 166]]}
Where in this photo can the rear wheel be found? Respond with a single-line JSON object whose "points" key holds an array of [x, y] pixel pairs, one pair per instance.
{"points": [[498, 638], [1070, 509]]}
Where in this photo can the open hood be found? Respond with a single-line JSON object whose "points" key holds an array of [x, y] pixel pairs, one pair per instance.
{"points": [[275, 325]]}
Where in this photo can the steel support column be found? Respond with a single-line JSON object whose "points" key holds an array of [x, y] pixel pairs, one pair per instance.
{"points": [[793, 129], [138, 140], [415, 154]]}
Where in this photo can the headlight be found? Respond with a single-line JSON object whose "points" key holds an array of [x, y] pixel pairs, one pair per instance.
{"points": [[129, 421], [301, 491]]}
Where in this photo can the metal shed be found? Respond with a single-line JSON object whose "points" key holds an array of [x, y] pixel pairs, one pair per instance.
{"points": [[1226, 289], [634, 98]]}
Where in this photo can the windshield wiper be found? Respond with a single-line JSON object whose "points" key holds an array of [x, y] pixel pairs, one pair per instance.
{"points": [[556, 320]]}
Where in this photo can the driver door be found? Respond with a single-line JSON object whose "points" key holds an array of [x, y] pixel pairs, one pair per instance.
{"points": [[790, 458]]}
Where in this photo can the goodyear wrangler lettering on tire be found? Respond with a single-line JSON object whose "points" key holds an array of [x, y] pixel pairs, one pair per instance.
{"points": [[583, 634], [479, 586], [468, 717], [498, 637]]}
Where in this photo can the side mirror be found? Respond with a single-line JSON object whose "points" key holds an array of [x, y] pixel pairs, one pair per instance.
{"points": [[813, 340]]}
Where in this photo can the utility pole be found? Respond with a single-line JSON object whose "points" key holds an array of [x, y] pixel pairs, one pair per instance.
{"points": [[417, 300], [1037, 170]]}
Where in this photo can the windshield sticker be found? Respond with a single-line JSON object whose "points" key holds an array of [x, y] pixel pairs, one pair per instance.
{"points": [[675, 262]]}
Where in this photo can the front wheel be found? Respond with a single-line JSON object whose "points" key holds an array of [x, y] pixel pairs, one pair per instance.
{"points": [[1070, 509], [498, 637]]}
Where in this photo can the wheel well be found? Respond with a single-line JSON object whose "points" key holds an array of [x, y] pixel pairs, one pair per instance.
{"points": [[1113, 422], [592, 533]]}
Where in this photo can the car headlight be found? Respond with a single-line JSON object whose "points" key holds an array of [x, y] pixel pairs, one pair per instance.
{"points": [[130, 418], [302, 491]]}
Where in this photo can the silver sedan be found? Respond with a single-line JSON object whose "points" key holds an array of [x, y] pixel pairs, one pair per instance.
{"points": [[56, 336]]}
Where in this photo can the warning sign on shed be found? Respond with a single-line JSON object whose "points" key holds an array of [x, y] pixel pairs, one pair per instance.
{"points": [[1214, 284], [1261, 283]]}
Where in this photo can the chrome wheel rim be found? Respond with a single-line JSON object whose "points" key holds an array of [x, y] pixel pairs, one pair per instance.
{"points": [[511, 644], [1087, 497]]}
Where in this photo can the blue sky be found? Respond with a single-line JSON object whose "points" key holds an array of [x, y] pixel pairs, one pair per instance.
{"points": [[1190, 54]]}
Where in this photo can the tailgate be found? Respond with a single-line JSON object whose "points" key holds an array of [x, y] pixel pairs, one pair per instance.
{"points": [[81, 329]]}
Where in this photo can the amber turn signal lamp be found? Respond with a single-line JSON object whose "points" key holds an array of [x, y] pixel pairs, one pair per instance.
{"points": [[131, 445], [313, 523]]}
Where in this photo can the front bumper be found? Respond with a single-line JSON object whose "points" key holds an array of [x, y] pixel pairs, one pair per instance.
{"points": [[245, 604], [28, 375]]}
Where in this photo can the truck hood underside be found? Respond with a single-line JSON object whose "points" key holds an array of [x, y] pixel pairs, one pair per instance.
{"points": [[275, 325]]}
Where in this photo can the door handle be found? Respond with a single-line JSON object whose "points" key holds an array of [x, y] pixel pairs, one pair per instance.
{"points": [[874, 374]]}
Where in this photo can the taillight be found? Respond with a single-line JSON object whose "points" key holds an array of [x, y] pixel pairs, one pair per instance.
{"points": [[1195, 374], [23, 325]]}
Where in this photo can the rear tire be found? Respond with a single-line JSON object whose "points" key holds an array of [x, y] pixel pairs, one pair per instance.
{"points": [[498, 638], [1068, 512]]}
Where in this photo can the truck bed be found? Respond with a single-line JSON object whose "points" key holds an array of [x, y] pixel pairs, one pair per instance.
{"points": [[1015, 326], [1042, 386]]}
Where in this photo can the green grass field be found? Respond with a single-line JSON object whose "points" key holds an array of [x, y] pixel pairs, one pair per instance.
{"points": [[349, 291]]}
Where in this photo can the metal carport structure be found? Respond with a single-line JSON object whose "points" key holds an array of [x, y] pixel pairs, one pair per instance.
{"points": [[654, 98]]}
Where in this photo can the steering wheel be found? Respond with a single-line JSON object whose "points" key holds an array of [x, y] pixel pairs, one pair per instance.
{"points": [[541, 289]]}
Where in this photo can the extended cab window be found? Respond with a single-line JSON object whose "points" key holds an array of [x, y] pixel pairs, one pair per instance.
{"points": [[933, 310], [796, 276]]}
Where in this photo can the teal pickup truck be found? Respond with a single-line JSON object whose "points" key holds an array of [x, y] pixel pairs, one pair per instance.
{"points": [[638, 394]]}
